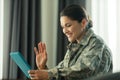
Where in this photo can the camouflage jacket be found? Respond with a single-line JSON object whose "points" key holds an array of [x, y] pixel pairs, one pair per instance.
{"points": [[91, 57]]}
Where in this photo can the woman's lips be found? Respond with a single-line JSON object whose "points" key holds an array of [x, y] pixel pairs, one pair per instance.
{"points": [[68, 35]]}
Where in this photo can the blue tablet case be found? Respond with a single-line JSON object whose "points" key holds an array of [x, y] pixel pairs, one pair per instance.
{"points": [[20, 61]]}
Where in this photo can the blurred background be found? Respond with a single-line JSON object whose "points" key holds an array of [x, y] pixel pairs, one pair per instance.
{"points": [[24, 23]]}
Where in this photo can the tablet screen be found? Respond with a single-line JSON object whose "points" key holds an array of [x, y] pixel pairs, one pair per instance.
{"points": [[20, 61]]}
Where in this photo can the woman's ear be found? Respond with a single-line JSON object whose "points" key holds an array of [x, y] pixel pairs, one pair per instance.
{"points": [[84, 23]]}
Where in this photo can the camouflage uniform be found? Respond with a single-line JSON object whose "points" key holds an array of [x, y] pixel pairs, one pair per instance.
{"points": [[91, 57]]}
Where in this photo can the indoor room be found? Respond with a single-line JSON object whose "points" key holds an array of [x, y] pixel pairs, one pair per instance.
{"points": [[26, 24]]}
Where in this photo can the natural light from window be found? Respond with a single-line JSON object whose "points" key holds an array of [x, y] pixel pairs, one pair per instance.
{"points": [[105, 17], [1, 37]]}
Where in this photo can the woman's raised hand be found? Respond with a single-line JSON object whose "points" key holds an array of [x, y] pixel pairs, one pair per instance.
{"points": [[41, 55]]}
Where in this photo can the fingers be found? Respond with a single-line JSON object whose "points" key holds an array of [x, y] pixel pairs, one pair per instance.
{"points": [[35, 74], [32, 74], [41, 47], [32, 71], [35, 50], [44, 46]]}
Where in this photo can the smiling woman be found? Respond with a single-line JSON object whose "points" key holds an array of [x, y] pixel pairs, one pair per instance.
{"points": [[1, 36], [87, 55]]}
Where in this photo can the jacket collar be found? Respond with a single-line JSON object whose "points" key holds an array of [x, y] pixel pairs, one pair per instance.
{"points": [[84, 40]]}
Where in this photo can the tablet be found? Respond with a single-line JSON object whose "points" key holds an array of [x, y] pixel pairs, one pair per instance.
{"points": [[20, 61]]}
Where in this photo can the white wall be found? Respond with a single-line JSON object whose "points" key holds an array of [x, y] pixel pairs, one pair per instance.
{"points": [[6, 27], [1, 37], [49, 28]]}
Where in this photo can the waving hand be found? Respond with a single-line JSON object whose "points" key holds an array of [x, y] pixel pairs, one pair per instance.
{"points": [[41, 55]]}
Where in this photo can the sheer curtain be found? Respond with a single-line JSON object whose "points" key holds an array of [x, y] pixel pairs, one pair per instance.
{"points": [[106, 16]]}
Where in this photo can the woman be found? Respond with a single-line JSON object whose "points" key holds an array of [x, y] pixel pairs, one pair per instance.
{"points": [[87, 54]]}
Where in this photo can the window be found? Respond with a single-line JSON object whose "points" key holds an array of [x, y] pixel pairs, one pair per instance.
{"points": [[106, 16]]}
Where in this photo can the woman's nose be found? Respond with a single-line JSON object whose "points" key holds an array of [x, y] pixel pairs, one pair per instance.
{"points": [[65, 30]]}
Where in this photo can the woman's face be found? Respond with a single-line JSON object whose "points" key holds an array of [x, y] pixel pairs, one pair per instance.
{"points": [[71, 28]]}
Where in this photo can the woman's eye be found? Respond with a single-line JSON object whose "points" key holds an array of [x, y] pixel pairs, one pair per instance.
{"points": [[68, 25]]}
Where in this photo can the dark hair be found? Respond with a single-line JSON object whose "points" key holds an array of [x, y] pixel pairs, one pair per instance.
{"points": [[76, 12]]}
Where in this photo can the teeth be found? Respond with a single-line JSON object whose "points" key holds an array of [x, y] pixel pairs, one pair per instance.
{"points": [[68, 35]]}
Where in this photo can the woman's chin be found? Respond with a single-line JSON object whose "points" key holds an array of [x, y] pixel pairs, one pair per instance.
{"points": [[71, 40]]}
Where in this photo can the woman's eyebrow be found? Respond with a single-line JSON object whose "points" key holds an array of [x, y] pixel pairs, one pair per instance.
{"points": [[66, 24]]}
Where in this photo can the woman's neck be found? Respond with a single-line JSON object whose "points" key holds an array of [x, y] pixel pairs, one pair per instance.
{"points": [[81, 36]]}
